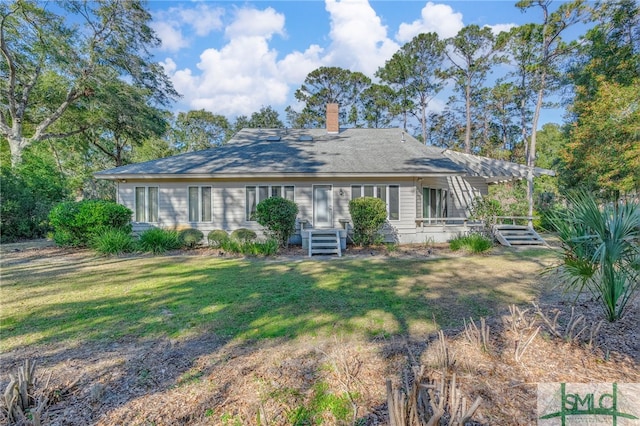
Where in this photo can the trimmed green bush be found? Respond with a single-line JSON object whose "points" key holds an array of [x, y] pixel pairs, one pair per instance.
{"points": [[368, 214], [244, 235], [474, 243], [217, 237], [278, 216], [158, 240], [191, 237], [113, 241], [75, 223]]}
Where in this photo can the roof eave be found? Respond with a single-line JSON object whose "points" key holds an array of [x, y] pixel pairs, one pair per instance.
{"points": [[182, 176]]}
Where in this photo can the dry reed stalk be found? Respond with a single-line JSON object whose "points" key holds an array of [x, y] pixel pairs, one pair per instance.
{"points": [[24, 403], [576, 326], [445, 358], [430, 403], [479, 337]]}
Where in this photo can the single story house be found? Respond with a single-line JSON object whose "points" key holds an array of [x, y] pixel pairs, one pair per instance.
{"points": [[427, 190]]}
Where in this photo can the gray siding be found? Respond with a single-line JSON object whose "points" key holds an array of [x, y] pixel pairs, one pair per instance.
{"points": [[228, 199]]}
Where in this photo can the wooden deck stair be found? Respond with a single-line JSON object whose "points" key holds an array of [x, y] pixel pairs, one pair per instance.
{"points": [[517, 235], [325, 241]]}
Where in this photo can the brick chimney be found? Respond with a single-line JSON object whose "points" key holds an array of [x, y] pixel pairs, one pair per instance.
{"points": [[333, 124]]}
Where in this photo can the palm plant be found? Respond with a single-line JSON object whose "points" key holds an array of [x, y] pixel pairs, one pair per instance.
{"points": [[601, 251]]}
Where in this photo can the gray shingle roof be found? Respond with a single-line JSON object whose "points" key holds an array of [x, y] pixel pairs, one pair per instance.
{"points": [[289, 152], [258, 152]]}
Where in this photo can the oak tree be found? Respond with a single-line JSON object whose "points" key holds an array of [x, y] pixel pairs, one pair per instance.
{"points": [[80, 44]]}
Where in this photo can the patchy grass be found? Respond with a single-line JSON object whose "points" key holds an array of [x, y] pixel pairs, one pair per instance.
{"points": [[179, 296]]}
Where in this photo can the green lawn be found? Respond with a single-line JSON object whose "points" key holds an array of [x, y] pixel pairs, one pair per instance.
{"points": [[86, 299]]}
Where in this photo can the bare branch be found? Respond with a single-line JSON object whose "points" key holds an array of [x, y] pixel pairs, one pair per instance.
{"points": [[46, 136], [27, 91]]}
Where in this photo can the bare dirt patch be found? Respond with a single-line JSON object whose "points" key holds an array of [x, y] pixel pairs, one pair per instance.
{"points": [[207, 379]]}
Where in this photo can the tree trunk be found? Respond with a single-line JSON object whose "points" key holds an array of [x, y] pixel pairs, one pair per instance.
{"points": [[16, 146], [424, 124], [531, 154], [467, 133]]}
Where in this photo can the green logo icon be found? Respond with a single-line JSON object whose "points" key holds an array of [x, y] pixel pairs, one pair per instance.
{"points": [[589, 404]]}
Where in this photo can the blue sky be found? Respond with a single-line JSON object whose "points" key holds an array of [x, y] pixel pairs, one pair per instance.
{"points": [[232, 58]]}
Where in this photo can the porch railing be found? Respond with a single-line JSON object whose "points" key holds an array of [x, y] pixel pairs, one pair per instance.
{"points": [[501, 219], [448, 221]]}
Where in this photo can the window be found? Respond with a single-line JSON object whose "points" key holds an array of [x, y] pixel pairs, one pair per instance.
{"points": [[200, 204], [434, 203], [146, 201], [394, 202], [390, 194], [255, 194]]}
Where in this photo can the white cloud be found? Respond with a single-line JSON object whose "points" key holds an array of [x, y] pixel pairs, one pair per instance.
{"points": [[170, 25], [436, 18], [498, 28], [254, 22], [295, 67], [170, 35], [202, 18], [241, 76], [169, 66], [359, 41]]}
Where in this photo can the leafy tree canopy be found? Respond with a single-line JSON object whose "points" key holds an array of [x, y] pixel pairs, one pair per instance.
{"points": [[415, 73], [78, 45], [330, 85], [604, 149], [195, 130]]}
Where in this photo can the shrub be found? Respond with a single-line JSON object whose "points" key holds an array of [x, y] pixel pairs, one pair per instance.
{"points": [[250, 248], [485, 209], [474, 243], [191, 237], [244, 235], [278, 216], [217, 237], [547, 217], [27, 195], [368, 214], [600, 250], [113, 241], [230, 245], [266, 248], [75, 223], [158, 241]]}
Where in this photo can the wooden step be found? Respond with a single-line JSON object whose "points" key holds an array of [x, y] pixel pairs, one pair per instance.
{"points": [[527, 243], [509, 235], [324, 251], [324, 242]]}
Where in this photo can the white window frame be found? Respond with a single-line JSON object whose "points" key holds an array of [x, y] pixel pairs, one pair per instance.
{"points": [[377, 194], [269, 192], [147, 205], [199, 201]]}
